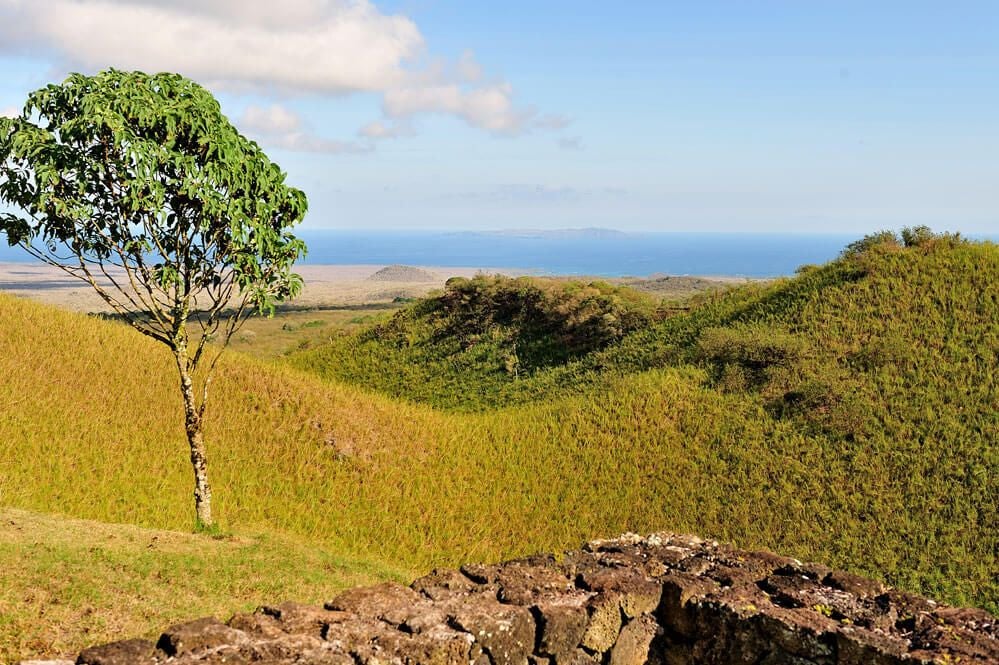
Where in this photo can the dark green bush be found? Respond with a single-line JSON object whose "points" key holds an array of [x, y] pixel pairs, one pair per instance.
{"points": [[549, 321], [915, 236], [460, 347], [753, 352], [881, 240]]}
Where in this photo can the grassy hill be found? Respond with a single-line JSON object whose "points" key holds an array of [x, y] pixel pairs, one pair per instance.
{"points": [[846, 415], [460, 349], [883, 363]]}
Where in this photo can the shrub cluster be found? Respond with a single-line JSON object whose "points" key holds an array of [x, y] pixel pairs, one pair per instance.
{"points": [[460, 348]]}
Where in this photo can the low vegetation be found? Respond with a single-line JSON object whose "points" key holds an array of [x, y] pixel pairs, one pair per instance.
{"points": [[880, 367], [845, 415], [295, 330], [69, 581], [459, 349]]}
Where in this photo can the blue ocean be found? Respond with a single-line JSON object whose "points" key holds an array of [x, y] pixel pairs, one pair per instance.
{"points": [[584, 252], [594, 252]]}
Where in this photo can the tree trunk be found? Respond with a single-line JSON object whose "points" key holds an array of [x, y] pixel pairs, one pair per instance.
{"points": [[199, 462]]}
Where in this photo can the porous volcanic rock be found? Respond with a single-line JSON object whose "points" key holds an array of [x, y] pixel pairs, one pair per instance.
{"points": [[664, 600]]}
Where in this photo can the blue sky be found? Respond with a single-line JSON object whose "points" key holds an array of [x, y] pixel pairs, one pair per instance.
{"points": [[825, 117]]}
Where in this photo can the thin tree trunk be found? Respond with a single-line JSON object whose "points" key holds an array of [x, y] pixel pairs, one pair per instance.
{"points": [[199, 462]]}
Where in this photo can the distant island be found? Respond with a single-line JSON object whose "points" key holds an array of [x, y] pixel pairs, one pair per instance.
{"points": [[552, 234]]}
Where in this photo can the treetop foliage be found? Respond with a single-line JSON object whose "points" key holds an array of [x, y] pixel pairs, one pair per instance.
{"points": [[126, 171], [139, 186]]}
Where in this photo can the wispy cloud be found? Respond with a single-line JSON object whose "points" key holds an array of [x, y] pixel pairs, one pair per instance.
{"points": [[570, 143], [9, 112], [488, 107], [275, 119], [540, 193], [524, 193], [382, 130], [468, 69], [283, 128], [553, 121]]}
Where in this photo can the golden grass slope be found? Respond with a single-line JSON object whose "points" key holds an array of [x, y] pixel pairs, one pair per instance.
{"points": [[91, 428]]}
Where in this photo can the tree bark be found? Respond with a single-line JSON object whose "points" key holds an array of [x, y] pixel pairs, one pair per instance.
{"points": [[199, 461]]}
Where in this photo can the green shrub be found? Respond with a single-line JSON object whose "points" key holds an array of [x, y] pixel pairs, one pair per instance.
{"points": [[759, 352], [916, 236], [882, 240], [459, 348]]}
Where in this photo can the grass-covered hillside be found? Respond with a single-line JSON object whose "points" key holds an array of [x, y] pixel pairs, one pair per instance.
{"points": [[461, 348], [846, 415], [884, 361]]}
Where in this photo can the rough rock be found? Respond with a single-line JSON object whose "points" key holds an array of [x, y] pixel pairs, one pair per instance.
{"points": [[635, 641], [198, 635], [664, 600], [125, 652], [561, 622]]}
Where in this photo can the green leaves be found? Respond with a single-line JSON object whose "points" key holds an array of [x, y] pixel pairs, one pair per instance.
{"points": [[143, 173]]}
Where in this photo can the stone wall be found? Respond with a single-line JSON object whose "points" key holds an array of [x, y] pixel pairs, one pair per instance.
{"points": [[665, 599]]}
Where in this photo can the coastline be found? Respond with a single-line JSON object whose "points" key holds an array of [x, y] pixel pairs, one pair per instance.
{"points": [[325, 285]]}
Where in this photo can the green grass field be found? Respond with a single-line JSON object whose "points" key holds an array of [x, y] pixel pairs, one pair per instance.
{"points": [[846, 415]]}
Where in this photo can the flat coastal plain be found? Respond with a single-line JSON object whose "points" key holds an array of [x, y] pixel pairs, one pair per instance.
{"points": [[325, 285]]}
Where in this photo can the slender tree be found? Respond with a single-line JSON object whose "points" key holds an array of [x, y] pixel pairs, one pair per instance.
{"points": [[139, 186]]}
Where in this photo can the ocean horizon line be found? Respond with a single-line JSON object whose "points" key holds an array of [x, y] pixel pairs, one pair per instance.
{"points": [[589, 251]]}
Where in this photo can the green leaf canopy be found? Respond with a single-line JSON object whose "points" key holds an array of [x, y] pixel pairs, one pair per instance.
{"points": [[141, 178]]}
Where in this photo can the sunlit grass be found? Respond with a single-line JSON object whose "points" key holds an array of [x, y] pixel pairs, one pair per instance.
{"points": [[67, 583], [872, 446], [294, 330], [894, 478]]}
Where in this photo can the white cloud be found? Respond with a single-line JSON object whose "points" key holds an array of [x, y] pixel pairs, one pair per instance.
{"points": [[381, 130], [275, 119], [332, 46], [489, 107], [281, 127], [324, 47], [9, 112]]}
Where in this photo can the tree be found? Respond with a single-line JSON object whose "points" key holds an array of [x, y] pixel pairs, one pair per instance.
{"points": [[139, 186]]}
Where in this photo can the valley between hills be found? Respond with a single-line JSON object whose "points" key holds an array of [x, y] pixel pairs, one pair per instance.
{"points": [[848, 414]]}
